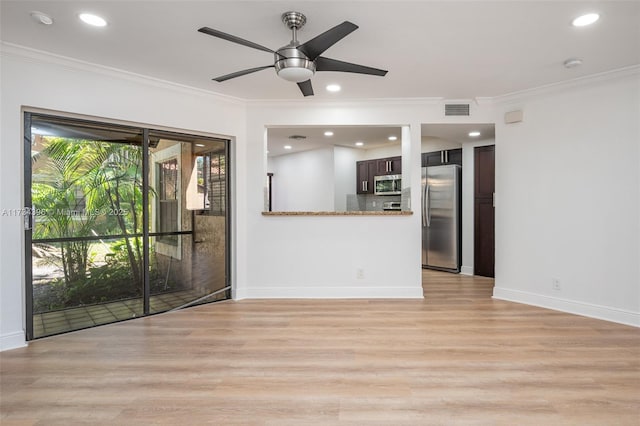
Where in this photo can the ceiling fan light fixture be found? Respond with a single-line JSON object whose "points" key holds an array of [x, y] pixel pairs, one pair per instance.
{"points": [[295, 74]]}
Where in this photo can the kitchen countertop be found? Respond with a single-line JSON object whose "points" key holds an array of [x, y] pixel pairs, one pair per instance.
{"points": [[352, 213]]}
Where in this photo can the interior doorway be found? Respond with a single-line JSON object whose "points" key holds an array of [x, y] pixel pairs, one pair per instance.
{"points": [[447, 145], [124, 222]]}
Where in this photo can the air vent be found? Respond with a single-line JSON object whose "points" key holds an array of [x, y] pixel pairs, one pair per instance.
{"points": [[297, 137], [456, 109]]}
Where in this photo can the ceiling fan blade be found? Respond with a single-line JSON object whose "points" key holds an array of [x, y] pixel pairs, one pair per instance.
{"points": [[233, 39], [327, 64], [306, 88], [314, 47], [240, 73]]}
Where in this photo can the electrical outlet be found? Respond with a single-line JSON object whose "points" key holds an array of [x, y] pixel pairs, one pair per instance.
{"points": [[555, 284], [360, 273]]}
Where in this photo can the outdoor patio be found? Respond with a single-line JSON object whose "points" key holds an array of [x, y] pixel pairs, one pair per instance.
{"points": [[54, 322]]}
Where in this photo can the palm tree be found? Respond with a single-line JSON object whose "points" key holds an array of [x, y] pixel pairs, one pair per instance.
{"points": [[85, 186]]}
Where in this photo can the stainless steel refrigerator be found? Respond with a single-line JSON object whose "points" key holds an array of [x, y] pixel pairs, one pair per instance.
{"points": [[441, 217]]}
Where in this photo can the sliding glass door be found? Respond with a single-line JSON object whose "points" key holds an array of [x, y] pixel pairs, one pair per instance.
{"points": [[120, 222], [188, 220]]}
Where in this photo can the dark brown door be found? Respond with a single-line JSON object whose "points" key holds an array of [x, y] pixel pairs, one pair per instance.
{"points": [[484, 252]]}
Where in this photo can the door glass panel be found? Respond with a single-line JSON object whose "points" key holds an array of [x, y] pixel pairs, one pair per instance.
{"points": [[86, 194], [187, 227]]}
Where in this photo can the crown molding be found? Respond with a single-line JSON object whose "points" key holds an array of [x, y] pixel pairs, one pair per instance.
{"points": [[586, 80], [39, 56]]}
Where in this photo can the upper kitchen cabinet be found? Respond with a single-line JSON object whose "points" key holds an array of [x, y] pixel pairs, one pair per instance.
{"points": [[438, 158], [388, 166], [365, 171]]}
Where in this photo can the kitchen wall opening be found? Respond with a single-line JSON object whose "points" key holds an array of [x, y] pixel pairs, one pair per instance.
{"points": [[336, 169], [450, 212], [121, 222]]}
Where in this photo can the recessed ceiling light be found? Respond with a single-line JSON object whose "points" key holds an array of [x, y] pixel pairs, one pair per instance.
{"points": [[200, 145], [393, 138], [474, 134], [572, 63], [287, 147], [333, 88], [584, 20], [42, 18], [328, 133], [359, 143], [92, 19]]}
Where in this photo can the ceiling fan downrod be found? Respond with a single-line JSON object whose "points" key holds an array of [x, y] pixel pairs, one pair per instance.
{"points": [[294, 21]]}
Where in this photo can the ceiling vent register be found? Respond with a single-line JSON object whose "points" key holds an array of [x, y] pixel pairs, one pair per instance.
{"points": [[456, 109]]}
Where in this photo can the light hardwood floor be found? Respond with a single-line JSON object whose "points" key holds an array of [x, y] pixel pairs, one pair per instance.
{"points": [[456, 357]]}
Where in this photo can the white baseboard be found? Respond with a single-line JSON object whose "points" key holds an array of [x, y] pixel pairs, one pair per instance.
{"points": [[12, 341], [331, 293], [579, 308], [466, 270]]}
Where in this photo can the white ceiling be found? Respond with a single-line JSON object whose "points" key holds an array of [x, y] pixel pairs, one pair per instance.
{"points": [[449, 49]]}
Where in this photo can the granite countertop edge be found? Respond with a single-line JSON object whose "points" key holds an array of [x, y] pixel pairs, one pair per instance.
{"points": [[352, 213]]}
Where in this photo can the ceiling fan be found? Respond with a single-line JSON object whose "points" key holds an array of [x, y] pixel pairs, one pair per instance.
{"points": [[298, 62]]}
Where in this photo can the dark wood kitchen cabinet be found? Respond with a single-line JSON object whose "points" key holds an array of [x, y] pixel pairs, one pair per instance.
{"points": [[484, 211], [365, 171], [439, 158], [389, 166]]}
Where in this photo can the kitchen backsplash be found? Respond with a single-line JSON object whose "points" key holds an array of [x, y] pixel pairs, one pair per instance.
{"points": [[370, 203]]}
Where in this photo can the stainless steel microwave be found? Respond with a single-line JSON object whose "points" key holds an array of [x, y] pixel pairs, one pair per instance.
{"points": [[388, 185]]}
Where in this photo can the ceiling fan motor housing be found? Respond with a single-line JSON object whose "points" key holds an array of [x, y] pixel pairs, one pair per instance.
{"points": [[293, 65]]}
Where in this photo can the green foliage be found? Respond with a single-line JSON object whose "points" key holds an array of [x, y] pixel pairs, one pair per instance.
{"points": [[85, 188]]}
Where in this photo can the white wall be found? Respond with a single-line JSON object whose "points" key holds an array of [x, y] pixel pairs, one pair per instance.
{"points": [[388, 150], [303, 181], [31, 79], [468, 218], [567, 198], [431, 144]]}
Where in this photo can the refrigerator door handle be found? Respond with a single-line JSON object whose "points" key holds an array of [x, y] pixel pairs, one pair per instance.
{"points": [[424, 203], [427, 193]]}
